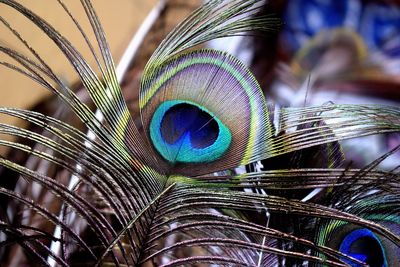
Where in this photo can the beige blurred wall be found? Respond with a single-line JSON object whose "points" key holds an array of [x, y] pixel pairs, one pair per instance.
{"points": [[120, 20]]}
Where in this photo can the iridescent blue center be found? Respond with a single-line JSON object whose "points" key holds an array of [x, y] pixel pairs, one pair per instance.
{"points": [[364, 245], [184, 119], [183, 131]]}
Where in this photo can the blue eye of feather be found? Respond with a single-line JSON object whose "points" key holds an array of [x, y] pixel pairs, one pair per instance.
{"points": [[184, 118], [183, 131], [364, 245]]}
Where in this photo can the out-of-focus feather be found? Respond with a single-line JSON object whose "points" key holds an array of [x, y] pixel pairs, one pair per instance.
{"points": [[340, 58]]}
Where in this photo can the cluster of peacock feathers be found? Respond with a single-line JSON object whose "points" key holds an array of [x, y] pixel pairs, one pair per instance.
{"points": [[171, 190]]}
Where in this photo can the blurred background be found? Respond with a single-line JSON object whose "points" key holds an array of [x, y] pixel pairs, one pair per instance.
{"points": [[335, 51], [120, 21]]}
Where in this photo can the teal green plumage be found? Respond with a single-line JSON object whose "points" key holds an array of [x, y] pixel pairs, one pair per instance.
{"points": [[184, 148]]}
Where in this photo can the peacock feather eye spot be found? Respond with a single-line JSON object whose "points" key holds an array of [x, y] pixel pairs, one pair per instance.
{"points": [[182, 131], [184, 119], [364, 245], [204, 106]]}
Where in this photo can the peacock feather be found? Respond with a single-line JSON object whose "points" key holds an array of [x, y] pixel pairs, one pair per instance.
{"points": [[169, 189], [222, 119]]}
